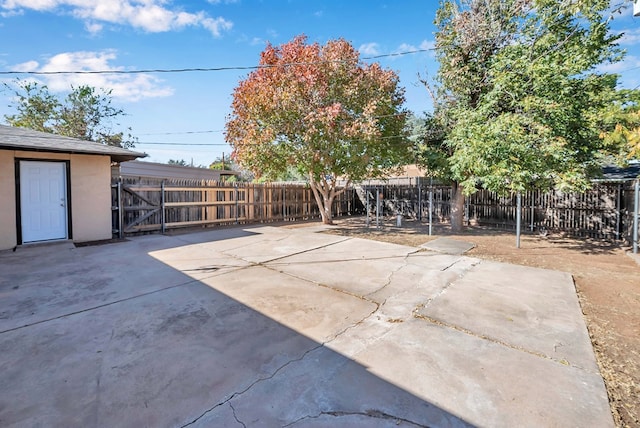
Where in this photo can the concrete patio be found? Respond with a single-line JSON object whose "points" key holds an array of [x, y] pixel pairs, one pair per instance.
{"points": [[272, 326]]}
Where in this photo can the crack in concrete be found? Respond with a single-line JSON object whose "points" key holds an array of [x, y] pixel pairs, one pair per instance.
{"points": [[254, 383], [448, 285], [354, 259], [427, 318], [498, 341], [278, 370], [372, 413], [235, 416], [404, 264], [250, 244], [453, 264]]}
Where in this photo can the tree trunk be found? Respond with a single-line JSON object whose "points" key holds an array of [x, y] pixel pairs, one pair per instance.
{"points": [[327, 216], [457, 208], [324, 199]]}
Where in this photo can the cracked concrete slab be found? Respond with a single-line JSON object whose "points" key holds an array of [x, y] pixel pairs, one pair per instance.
{"points": [[453, 370], [342, 392], [268, 326], [534, 309]]}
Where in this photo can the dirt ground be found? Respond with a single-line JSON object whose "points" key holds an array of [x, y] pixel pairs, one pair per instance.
{"points": [[607, 281]]}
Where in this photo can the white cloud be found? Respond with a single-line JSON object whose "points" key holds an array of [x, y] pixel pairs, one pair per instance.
{"points": [[369, 49], [93, 27], [148, 15], [26, 66], [128, 87], [630, 37], [630, 63], [216, 25], [427, 44], [405, 47], [272, 33], [627, 69]]}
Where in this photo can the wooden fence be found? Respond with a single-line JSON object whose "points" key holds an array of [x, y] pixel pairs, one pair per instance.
{"points": [[603, 212], [145, 205]]}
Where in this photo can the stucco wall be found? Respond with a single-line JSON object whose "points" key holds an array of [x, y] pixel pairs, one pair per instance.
{"points": [[7, 201], [90, 195]]}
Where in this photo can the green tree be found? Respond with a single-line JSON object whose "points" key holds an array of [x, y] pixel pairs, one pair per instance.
{"points": [[321, 110], [179, 162], [85, 113], [518, 99], [226, 163]]}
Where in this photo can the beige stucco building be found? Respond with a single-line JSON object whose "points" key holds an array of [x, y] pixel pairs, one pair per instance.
{"points": [[54, 188]]}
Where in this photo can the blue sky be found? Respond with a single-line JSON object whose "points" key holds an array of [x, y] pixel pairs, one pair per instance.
{"points": [[183, 114]]}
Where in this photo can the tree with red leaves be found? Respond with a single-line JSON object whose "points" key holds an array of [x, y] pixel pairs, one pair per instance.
{"points": [[320, 109]]}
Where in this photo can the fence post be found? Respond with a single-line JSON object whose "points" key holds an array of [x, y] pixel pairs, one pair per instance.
{"points": [[377, 208], [120, 213], [419, 186], [284, 202], [430, 205], [636, 215], [466, 210], [518, 216], [162, 214], [235, 195], [533, 208], [618, 208], [368, 210]]}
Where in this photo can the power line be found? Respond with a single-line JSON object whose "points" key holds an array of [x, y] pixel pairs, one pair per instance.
{"points": [[386, 137], [181, 132], [202, 69], [222, 130], [179, 144]]}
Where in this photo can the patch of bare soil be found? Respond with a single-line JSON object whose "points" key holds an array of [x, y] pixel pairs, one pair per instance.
{"points": [[607, 281]]}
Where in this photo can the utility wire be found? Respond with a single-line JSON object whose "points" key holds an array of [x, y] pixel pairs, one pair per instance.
{"points": [[222, 130], [181, 133], [387, 137], [203, 69]]}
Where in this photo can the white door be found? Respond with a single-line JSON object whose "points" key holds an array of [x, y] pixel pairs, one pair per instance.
{"points": [[43, 200]]}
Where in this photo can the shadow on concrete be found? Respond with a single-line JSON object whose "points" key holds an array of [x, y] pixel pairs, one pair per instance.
{"points": [[111, 336]]}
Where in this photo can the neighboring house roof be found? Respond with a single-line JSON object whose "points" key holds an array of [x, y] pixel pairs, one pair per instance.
{"points": [[26, 139], [162, 170], [616, 173]]}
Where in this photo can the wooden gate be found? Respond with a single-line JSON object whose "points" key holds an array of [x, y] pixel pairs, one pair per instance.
{"points": [[143, 206]]}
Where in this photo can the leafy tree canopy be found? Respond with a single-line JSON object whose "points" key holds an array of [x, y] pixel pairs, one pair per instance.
{"points": [[519, 100], [320, 109], [178, 162], [85, 113]]}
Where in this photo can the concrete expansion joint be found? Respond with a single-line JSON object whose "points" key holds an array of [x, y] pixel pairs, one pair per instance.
{"points": [[115, 302], [374, 414], [497, 341], [308, 250]]}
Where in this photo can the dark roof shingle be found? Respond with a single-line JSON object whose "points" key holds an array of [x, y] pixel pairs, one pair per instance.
{"points": [[26, 139]]}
